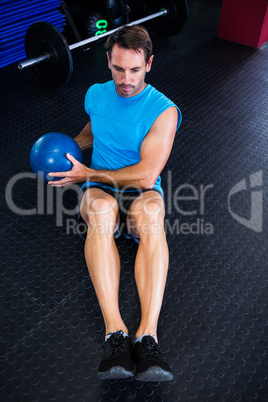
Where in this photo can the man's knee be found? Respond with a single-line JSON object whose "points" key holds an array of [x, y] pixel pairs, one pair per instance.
{"points": [[149, 210], [147, 217], [99, 209], [101, 206]]}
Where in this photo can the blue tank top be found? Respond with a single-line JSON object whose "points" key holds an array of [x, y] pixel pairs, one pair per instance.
{"points": [[120, 124]]}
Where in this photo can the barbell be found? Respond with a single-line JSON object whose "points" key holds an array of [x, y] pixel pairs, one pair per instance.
{"points": [[50, 55]]}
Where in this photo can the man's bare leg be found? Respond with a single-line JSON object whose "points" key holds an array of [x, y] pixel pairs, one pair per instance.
{"points": [[100, 212], [146, 220]]}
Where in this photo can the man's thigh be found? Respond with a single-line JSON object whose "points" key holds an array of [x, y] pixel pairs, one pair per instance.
{"points": [[149, 206]]}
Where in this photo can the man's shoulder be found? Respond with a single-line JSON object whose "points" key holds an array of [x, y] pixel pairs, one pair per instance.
{"points": [[97, 95], [100, 87], [158, 99], [158, 94], [159, 103]]}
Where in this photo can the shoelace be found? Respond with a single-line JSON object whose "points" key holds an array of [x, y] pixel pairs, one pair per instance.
{"points": [[116, 341], [152, 348]]}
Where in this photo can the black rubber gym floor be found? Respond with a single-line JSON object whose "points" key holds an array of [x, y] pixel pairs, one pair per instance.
{"points": [[213, 324]]}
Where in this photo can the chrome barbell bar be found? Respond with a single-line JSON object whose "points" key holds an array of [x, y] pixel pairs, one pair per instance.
{"points": [[45, 57]]}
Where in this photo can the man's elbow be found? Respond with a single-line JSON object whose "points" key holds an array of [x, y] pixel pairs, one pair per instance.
{"points": [[148, 182]]}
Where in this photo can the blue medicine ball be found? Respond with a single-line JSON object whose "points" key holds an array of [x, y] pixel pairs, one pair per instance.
{"points": [[48, 154]]}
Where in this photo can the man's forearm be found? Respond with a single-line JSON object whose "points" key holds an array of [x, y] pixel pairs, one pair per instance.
{"points": [[133, 176], [85, 138]]}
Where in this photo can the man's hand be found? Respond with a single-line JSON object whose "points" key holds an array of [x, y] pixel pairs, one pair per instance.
{"points": [[79, 173]]}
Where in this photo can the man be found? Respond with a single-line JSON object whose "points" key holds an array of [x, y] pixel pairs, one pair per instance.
{"points": [[132, 128]]}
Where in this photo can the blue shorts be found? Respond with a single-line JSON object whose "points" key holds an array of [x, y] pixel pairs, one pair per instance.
{"points": [[124, 200]]}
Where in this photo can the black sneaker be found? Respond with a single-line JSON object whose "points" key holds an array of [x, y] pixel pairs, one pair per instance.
{"points": [[150, 361], [116, 362]]}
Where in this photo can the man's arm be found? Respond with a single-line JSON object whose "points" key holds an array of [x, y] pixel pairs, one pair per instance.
{"points": [[85, 138], [154, 153]]}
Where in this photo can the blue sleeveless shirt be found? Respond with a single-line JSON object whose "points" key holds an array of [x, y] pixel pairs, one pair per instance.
{"points": [[119, 125]]}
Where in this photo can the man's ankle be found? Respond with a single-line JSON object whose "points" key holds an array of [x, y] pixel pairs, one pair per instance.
{"points": [[108, 334], [139, 336]]}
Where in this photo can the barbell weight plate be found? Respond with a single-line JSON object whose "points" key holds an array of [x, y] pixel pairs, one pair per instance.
{"points": [[42, 37], [173, 22]]}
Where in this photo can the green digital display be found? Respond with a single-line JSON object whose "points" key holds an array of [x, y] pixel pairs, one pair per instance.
{"points": [[101, 25]]}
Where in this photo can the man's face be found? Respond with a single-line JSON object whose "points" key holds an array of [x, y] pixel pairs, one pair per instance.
{"points": [[128, 70]]}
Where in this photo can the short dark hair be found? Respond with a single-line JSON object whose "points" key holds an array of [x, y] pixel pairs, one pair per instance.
{"points": [[131, 37]]}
